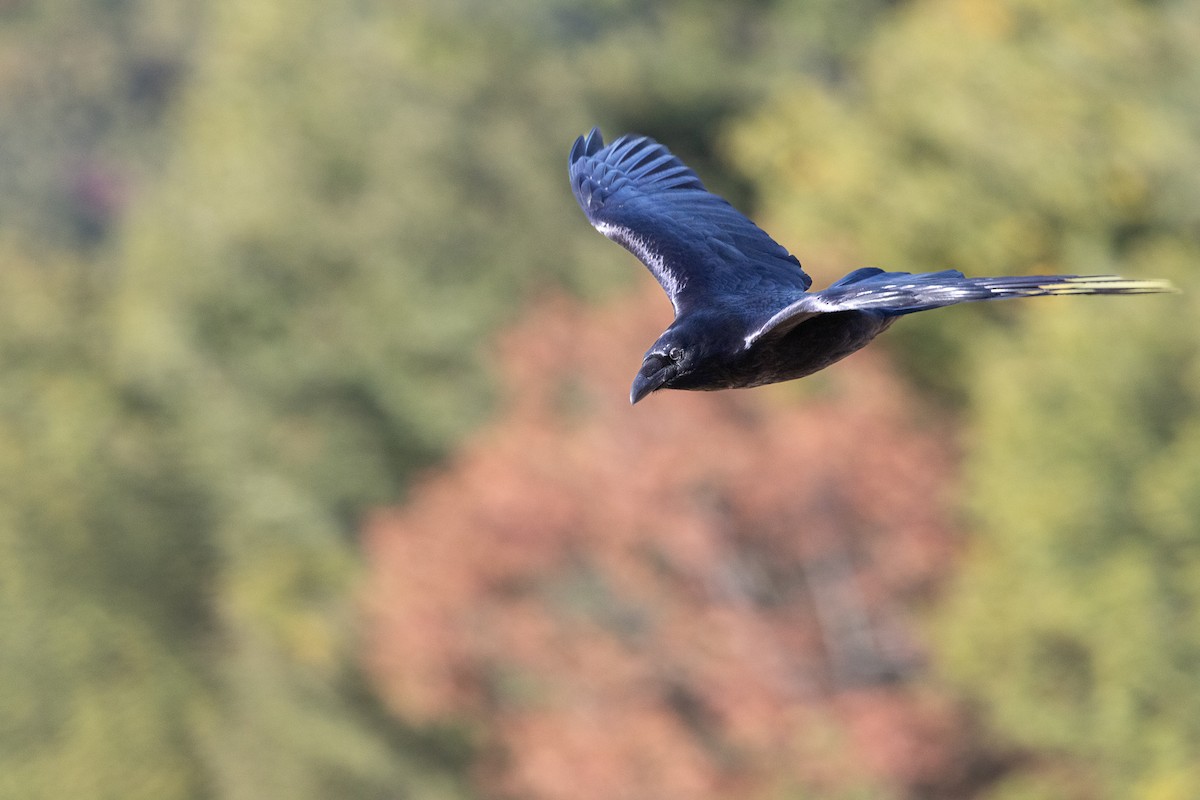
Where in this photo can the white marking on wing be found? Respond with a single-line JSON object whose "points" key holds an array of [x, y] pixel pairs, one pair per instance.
{"points": [[813, 304], [640, 247]]}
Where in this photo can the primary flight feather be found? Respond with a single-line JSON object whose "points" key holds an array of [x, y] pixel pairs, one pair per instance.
{"points": [[744, 315]]}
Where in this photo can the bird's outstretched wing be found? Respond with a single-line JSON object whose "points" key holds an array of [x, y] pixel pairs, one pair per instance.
{"points": [[895, 293], [698, 246]]}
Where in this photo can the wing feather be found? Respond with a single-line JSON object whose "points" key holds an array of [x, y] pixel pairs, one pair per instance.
{"points": [[699, 247], [896, 293]]}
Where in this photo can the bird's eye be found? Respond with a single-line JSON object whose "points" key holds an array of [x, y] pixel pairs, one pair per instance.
{"points": [[675, 354]]}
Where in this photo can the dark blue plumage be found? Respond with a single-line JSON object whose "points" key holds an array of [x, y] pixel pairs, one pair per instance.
{"points": [[743, 312]]}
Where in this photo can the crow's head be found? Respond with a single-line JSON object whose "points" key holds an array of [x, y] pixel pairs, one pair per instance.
{"points": [[659, 368], [671, 363]]}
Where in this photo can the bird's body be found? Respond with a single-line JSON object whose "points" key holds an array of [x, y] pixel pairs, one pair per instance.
{"points": [[744, 315], [721, 360]]}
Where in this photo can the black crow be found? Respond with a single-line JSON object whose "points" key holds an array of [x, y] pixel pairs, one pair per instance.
{"points": [[743, 312]]}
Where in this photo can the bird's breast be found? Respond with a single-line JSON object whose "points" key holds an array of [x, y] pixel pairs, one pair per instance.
{"points": [[811, 346]]}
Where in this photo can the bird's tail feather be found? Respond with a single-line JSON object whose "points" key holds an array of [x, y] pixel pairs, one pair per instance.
{"points": [[922, 292], [1072, 284]]}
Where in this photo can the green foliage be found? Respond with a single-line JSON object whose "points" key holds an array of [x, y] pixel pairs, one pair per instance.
{"points": [[273, 239], [993, 138], [1075, 617], [254, 252], [195, 417], [94, 697], [1028, 137], [85, 84]]}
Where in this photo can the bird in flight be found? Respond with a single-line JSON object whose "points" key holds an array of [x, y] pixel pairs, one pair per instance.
{"points": [[744, 315]]}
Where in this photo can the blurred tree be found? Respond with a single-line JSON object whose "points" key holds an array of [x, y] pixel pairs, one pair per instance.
{"points": [[683, 71], [1027, 137], [269, 238], [86, 85], [94, 700], [195, 415], [94, 696], [704, 599], [251, 251], [990, 137], [345, 215]]}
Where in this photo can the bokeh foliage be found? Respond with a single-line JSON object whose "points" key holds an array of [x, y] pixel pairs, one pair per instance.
{"points": [[1029, 137], [253, 255]]}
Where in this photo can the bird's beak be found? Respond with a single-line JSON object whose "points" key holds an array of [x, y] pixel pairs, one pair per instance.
{"points": [[651, 377]]}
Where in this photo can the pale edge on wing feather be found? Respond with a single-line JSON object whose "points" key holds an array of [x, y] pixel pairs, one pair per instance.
{"points": [[1087, 285], [816, 305], [641, 248]]}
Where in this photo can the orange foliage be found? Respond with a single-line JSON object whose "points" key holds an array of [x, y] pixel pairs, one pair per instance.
{"points": [[706, 595]]}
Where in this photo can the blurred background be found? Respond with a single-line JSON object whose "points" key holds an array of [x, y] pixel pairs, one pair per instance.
{"points": [[318, 473]]}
